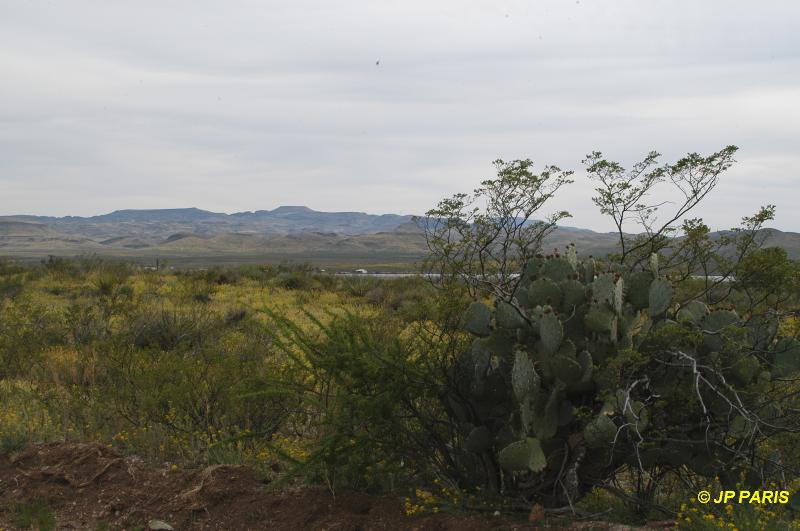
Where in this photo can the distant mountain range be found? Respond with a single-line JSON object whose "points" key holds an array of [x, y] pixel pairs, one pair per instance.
{"points": [[165, 222], [286, 231]]}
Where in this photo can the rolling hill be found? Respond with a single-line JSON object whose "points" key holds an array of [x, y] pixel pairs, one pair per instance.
{"points": [[287, 232]]}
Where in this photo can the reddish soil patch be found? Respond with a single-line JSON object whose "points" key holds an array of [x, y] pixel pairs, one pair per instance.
{"points": [[87, 484]]}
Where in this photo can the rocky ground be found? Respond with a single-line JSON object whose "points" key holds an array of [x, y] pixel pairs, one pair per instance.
{"points": [[88, 486]]}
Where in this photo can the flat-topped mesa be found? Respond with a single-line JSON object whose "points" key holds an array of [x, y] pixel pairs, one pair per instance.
{"points": [[157, 214], [291, 209]]}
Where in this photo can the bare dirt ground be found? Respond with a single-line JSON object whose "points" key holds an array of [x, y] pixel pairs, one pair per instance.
{"points": [[88, 486]]}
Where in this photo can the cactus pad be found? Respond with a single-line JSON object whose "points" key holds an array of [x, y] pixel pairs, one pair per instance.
{"points": [[558, 269], [551, 333], [619, 293], [600, 432], [603, 289], [660, 296], [524, 380], [573, 295], [713, 324], [479, 440], [507, 316], [544, 291], [639, 289], [565, 369], [636, 414], [525, 455], [476, 319], [719, 319], [588, 271], [599, 319], [545, 422], [696, 310], [654, 264], [572, 255]]}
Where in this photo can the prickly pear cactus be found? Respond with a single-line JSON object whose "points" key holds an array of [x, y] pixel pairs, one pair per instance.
{"points": [[476, 319], [576, 371], [660, 296]]}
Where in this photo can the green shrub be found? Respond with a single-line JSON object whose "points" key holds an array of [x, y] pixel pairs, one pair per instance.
{"points": [[372, 391]]}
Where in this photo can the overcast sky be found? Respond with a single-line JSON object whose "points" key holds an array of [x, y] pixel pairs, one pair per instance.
{"points": [[234, 105]]}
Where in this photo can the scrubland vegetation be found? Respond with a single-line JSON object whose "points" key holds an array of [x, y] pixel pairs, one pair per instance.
{"points": [[614, 388]]}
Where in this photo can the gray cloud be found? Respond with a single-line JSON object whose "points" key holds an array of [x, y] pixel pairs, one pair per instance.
{"points": [[237, 105]]}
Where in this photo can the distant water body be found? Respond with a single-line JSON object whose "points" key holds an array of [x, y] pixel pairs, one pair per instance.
{"points": [[713, 278]]}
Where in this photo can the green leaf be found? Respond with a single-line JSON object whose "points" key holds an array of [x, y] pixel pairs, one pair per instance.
{"points": [[787, 357]]}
